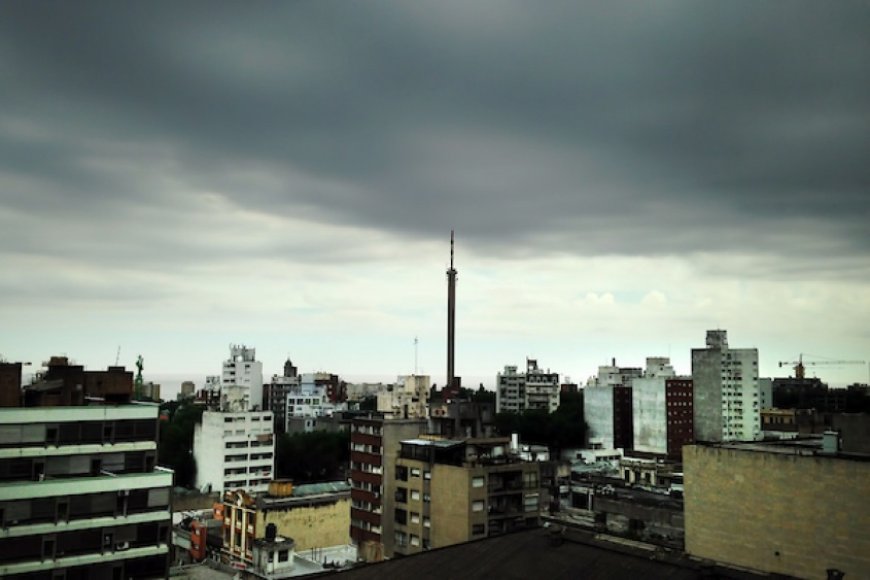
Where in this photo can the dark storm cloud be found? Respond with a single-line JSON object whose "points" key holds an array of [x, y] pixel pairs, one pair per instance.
{"points": [[572, 127]]}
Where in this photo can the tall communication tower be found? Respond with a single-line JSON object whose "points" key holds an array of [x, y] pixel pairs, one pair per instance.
{"points": [[451, 317]]}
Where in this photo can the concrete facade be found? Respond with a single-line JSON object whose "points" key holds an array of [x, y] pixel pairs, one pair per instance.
{"points": [[536, 389], [80, 495], [374, 447], [778, 509], [662, 414], [726, 391], [453, 491], [242, 369], [608, 413], [234, 451], [408, 398]]}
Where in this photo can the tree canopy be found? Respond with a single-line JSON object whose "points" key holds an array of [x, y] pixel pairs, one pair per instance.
{"points": [[311, 457], [175, 449], [562, 429]]}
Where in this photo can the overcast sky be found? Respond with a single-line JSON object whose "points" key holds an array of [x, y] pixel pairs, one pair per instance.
{"points": [[621, 176]]}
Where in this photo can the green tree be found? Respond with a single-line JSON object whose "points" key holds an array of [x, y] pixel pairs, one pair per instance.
{"points": [[311, 457], [175, 448], [559, 430]]}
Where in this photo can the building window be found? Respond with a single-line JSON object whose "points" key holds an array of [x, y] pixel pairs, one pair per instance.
{"points": [[477, 505], [415, 472], [415, 495], [427, 475], [283, 555], [477, 529], [401, 473], [401, 539], [530, 479], [415, 518], [477, 481], [427, 523], [401, 495], [415, 540], [401, 516]]}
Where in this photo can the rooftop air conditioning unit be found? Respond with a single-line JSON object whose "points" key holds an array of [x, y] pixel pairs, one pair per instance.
{"points": [[120, 546]]}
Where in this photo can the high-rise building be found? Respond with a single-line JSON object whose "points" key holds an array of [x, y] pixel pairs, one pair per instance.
{"points": [[275, 397], [242, 380], [374, 447], [727, 403], [80, 496], [662, 410], [234, 451], [536, 389], [608, 413], [452, 491]]}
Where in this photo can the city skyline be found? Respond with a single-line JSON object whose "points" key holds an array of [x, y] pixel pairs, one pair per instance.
{"points": [[621, 179]]}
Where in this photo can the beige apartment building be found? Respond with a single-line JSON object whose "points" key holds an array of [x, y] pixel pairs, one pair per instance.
{"points": [[456, 490]]}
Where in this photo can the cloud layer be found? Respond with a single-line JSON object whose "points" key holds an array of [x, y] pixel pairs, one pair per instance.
{"points": [[186, 160]]}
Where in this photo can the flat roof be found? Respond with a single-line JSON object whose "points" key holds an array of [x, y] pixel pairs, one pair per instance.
{"points": [[554, 553]]}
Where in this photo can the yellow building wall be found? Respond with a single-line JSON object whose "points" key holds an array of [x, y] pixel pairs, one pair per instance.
{"points": [[778, 513], [451, 505], [317, 526]]}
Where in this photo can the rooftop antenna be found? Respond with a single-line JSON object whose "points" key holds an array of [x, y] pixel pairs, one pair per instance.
{"points": [[415, 355], [118, 355]]}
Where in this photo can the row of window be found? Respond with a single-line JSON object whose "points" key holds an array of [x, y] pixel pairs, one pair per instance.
{"points": [[96, 540], [82, 507], [77, 433], [40, 468]]}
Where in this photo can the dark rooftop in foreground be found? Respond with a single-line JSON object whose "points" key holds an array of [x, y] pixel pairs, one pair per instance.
{"points": [[553, 553]]}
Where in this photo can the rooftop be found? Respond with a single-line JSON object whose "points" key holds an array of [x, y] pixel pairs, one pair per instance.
{"points": [[805, 446], [554, 553]]}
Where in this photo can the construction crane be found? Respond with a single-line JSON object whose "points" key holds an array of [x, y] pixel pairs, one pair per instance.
{"points": [[799, 365]]}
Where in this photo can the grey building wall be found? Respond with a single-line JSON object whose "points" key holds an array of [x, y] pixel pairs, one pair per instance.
{"points": [[706, 373]]}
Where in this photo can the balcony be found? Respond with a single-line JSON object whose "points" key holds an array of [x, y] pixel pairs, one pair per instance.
{"points": [[366, 516], [363, 457]]}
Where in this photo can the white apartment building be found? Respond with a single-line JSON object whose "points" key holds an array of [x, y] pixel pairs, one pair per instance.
{"points": [[80, 495], [234, 451], [727, 394], [242, 380], [535, 389], [408, 399], [613, 375]]}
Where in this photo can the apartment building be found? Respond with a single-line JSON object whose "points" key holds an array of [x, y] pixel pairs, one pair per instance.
{"points": [[452, 491], [407, 399], [242, 380], [727, 399], [80, 496], [234, 451], [374, 447], [662, 410], [536, 389]]}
